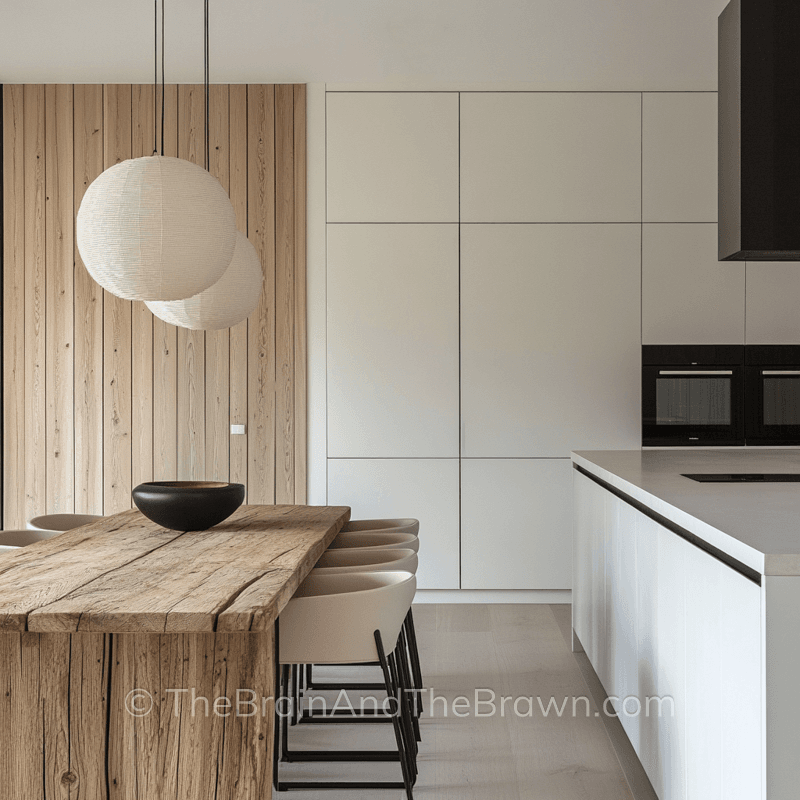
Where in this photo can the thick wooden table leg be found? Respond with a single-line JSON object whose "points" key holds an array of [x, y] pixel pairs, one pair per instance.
{"points": [[136, 716]]}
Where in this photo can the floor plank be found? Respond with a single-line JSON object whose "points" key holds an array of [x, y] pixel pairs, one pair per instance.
{"points": [[513, 650]]}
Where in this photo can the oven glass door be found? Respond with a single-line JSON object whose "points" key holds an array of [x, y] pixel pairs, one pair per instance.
{"points": [[773, 405], [691, 406]]}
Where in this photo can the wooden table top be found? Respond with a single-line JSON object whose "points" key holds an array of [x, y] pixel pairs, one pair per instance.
{"points": [[126, 574]]}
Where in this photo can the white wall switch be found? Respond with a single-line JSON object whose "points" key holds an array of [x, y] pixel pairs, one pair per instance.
{"points": [[237, 429]]}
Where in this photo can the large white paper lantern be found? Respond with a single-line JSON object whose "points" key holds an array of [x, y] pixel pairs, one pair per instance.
{"points": [[229, 301], [156, 228]]}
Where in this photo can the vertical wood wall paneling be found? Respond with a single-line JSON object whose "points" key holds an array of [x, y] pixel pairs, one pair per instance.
{"points": [[217, 366], [14, 444], [284, 294], [300, 322], [117, 410], [59, 270], [88, 322], [191, 344], [141, 317], [238, 334], [165, 337], [35, 407], [98, 394], [261, 325]]}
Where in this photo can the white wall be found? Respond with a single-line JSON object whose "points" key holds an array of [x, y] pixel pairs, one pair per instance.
{"points": [[554, 44]]}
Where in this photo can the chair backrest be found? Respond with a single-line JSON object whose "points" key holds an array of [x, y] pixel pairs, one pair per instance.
{"points": [[332, 618], [383, 539], [61, 522], [14, 539], [369, 559], [405, 525]]}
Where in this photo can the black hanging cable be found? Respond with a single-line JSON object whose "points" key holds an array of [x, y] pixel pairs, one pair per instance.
{"points": [[155, 75], [206, 80], [162, 76]]}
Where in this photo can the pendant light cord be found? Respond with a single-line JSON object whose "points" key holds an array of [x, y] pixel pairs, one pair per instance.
{"points": [[162, 76], [155, 77], [206, 80]]}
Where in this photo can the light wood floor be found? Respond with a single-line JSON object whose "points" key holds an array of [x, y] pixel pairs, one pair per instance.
{"points": [[517, 650]]}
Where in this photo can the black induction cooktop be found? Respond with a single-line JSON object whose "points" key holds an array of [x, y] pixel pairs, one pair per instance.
{"points": [[743, 477]]}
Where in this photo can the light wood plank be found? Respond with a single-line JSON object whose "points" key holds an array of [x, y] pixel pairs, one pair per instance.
{"points": [[116, 331], [14, 430], [90, 669], [35, 320], [261, 327], [191, 344], [187, 584], [54, 687], [238, 334], [284, 293], [141, 317], [217, 353], [59, 269], [165, 344], [300, 329], [43, 573], [88, 297]]}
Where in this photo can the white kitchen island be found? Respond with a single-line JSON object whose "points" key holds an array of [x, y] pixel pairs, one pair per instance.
{"points": [[691, 591]]}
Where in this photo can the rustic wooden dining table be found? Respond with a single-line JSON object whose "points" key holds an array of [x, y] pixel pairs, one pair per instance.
{"points": [[138, 663]]}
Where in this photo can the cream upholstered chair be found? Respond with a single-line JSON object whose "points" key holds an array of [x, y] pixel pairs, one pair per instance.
{"points": [[349, 619], [14, 539], [61, 522], [366, 559], [360, 548], [405, 525], [376, 539]]}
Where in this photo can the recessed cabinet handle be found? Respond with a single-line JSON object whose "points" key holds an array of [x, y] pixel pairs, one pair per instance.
{"points": [[780, 371], [695, 372]]}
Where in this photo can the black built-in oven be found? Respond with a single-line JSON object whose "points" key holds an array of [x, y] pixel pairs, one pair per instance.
{"points": [[772, 394], [692, 395]]}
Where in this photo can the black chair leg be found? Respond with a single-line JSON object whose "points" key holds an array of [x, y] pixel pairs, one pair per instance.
{"points": [[406, 746], [413, 652]]}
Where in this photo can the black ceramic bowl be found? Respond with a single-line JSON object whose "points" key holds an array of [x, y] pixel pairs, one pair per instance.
{"points": [[188, 505]]}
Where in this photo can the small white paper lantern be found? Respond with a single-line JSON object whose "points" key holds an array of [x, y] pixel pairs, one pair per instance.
{"points": [[156, 228], [229, 301]]}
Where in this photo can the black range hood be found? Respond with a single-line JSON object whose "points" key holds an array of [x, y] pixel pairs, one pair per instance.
{"points": [[759, 131]]}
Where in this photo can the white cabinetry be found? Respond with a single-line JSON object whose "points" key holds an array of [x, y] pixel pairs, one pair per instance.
{"points": [[399, 487], [392, 156], [679, 157], [688, 296], [773, 297], [666, 623], [516, 523], [550, 339], [392, 341], [550, 157]]}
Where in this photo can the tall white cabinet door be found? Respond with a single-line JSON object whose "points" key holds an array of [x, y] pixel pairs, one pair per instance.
{"points": [[426, 489], [392, 341], [550, 157], [516, 523], [588, 526], [704, 621], [622, 659], [392, 156], [773, 297], [647, 617], [671, 673], [741, 680], [550, 339]]}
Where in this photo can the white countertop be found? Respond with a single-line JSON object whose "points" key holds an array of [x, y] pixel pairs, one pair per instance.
{"points": [[756, 523]]}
